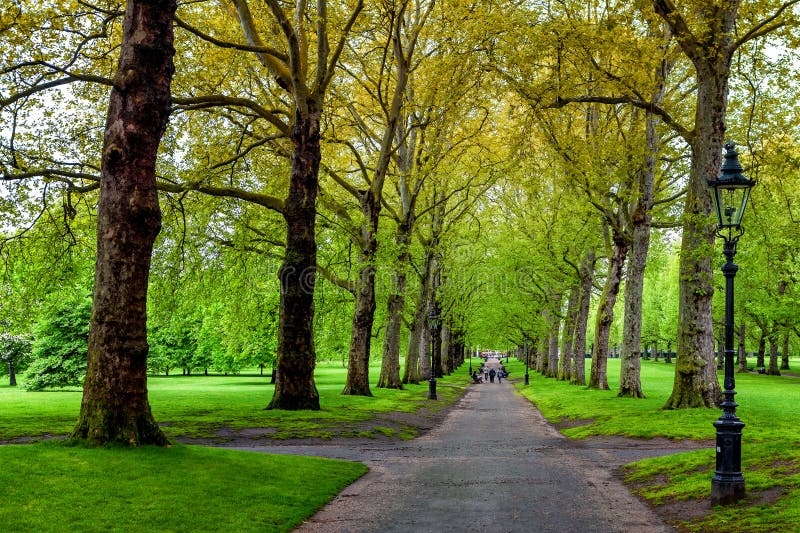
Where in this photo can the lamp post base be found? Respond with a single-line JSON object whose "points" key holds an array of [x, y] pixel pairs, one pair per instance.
{"points": [[724, 492], [527, 379], [432, 389], [727, 485]]}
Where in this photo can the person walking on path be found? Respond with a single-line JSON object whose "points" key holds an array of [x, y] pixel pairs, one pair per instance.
{"points": [[500, 376], [492, 373]]}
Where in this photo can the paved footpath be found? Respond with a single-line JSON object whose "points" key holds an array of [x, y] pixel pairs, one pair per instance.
{"points": [[493, 465]]}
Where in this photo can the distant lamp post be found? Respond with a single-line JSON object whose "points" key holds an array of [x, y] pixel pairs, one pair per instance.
{"points": [[433, 326], [470, 360], [527, 357], [730, 192]]}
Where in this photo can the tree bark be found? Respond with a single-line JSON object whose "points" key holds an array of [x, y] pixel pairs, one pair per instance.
{"points": [[390, 364], [565, 364], [295, 388], [361, 330], [630, 384], [12, 375], [416, 362], [762, 347], [785, 352], [115, 407], [552, 338], [772, 370], [582, 319], [543, 358], [742, 355], [598, 377], [447, 362]]}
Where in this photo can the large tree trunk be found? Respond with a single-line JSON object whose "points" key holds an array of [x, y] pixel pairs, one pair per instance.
{"points": [[390, 364], [543, 358], [412, 369], [424, 353], [361, 331], [447, 361], [696, 382], [579, 345], [785, 352], [567, 353], [598, 377], [115, 407], [630, 384], [762, 347], [552, 339], [12, 375], [416, 362], [772, 370], [294, 384]]}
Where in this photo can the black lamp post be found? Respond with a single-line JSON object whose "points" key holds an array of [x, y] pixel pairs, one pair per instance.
{"points": [[470, 360], [527, 357], [730, 192], [433, 326]]}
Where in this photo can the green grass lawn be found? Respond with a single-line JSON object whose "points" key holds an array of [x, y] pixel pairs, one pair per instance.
{"points": [[771, 457], [53, 487], [199, 406]]}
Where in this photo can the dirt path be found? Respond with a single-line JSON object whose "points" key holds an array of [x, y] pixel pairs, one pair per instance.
{"points": [[492, 464]]}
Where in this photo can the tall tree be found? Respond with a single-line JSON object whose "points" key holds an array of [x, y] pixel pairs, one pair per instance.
{"points": [[707, 34], [306, 80], [640, 219], [115, 406]]}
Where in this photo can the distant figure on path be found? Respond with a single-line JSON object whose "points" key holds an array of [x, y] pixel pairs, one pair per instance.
{"points": [[485, 373], [500, 376], [491, 375]]}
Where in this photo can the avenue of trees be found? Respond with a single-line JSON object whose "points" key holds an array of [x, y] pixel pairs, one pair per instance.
{"points": [[246, 184]]}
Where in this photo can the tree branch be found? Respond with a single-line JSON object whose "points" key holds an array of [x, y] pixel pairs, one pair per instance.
{"points": [[225, 44], [687, 135]]}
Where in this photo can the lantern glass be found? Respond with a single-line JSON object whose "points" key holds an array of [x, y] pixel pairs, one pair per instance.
{"points": [[730, 201], [433, 320]]}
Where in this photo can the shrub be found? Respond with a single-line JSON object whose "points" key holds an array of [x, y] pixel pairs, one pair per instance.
{"points": [[60, 344]]}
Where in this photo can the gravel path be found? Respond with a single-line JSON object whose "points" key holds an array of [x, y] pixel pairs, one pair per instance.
{"points": [[493, 465]]}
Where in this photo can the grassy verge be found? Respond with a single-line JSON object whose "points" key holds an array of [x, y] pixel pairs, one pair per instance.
{"points": [[52, 487], [199, 407], [770, 456]]}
